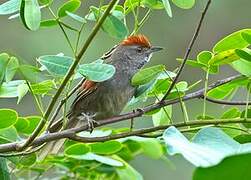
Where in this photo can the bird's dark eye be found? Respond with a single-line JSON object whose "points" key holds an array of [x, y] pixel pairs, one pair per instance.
{"points": [[139, 49]]}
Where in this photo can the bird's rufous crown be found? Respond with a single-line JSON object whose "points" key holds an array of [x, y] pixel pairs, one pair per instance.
{"points": [[137, 40]]}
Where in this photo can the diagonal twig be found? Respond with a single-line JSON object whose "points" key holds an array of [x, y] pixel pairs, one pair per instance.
{"points": [[190, 46]]}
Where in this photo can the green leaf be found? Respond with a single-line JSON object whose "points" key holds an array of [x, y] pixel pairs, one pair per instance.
{"points": [[231, 113], [224, 57], [77, 149], [33, 122], [112, 25], [246, 36], [193, 63], [4, 171], [30, 14], [231, 168], [30, 73], [48, 23], [108, 147], [147, 74], [43, 87], [28, 160], [102, 159], [97, 72], [76, 17], [8, 117], [162, 117], [220, 92], [204, 57], [244, 54], [11, 69], [242, 66], [9, 90], [21, 124], [22, 90], [55, 64], [167, 7], [152, 148], [232, 41], [207, 148], [4, 59], [70, 6], [8, 135], [127, 172], [9, 7], [184, 4], [45, 2]]}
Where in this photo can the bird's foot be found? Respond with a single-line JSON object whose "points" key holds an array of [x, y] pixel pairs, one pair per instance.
{"points": [[90, 121]]}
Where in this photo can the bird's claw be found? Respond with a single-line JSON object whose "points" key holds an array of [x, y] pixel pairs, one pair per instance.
{"points": [[91, 124]]}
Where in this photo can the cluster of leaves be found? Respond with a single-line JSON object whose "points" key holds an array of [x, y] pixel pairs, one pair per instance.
{"points": [[109, 160]]}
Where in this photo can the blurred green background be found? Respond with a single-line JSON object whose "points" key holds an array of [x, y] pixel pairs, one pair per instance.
{"points": [[174, 34]]}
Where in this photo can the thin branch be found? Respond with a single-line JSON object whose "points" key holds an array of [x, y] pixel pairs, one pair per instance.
{"points": [[67, 77], [71, 132], [196, 33], [224, 102], [62, 102]]}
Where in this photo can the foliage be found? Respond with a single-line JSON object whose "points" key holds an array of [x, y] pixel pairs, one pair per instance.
{"points": [[213, 151]]}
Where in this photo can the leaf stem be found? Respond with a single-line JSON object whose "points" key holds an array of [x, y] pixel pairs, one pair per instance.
{"points": [[247, 100], [205, 94]]}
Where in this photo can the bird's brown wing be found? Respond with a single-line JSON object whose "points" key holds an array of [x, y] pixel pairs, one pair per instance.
{"points": [[87, 88]]}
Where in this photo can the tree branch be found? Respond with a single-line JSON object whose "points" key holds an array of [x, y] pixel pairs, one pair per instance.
{"points": [[67, 77], [190, 46], [224, 102], [70, 133]]}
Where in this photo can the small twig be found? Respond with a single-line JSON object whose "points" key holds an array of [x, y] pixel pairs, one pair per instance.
{"points": [[224, 102], [187, 51], [63, 101]]}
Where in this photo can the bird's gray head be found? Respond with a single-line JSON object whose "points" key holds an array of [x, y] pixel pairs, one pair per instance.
{"points": [[135, 51]]}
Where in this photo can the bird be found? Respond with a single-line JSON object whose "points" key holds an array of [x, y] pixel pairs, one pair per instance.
{"points": [[101, 100], [96, 101]]}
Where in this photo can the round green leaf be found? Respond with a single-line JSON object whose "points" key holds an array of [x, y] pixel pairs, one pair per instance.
{"points": [[112, 25], [97, 72], [247, 37], [28, 160], [204, 57], [11, 68], [30, 14], [8, 117], [232, 41], [21, 124], [76, 17], [108, 147], [4, 59], [9, 7], [242, 66], [30, 73], [152, 148], [77, 149], [45, 2], [244, 54], [147, 74], [184, 4], [56, 65], [70, 6], [48, 23], [33, 122], [231, 168], [8, 135]]}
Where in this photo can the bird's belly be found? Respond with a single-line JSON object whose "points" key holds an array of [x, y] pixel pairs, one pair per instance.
{"points": [[105, 104]]}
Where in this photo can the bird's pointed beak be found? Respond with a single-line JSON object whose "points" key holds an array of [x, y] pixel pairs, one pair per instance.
{"points": [[155, 49]]}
